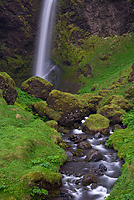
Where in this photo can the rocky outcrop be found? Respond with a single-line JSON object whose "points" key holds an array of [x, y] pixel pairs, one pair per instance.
{"points": [[37, 87], [7, 85], [120, 101], [18, 26], [113, 113]]}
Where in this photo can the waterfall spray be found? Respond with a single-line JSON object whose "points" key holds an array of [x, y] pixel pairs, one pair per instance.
{"points": [[43, 65]]}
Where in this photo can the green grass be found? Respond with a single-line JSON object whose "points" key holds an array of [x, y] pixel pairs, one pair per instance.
{"points": [[123, 141], [27, 146], [109, 60]]}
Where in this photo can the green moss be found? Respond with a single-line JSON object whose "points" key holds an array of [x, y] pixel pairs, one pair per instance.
{"points": [[120, 101], [96, 123], [112, 112]]}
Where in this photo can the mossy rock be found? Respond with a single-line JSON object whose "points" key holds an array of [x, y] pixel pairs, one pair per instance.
{"points": [[37, 87], [113, 113], [96, 123], [120, 101], [44, 110], [104, 93], [43, 178], [88, 179], [68, 105], [7, 85], [52, 124], [129, 94], [92, 100]]}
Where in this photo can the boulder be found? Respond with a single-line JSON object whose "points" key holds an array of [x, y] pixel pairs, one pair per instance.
{"points": [[94, 155], [113, 113], [44, 110], [102, 167], [37, 87], [68, 105], [120, 101], [84, 145], [78, 138], [88, 179], [96, 123], [92, 101], [7, 85]]}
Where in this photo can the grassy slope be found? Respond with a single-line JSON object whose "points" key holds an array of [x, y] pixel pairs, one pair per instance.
{"points": [[123, 141], [109, 58], [28, 146]]}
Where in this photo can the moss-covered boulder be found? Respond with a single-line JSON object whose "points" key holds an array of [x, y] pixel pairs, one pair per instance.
{"points": [[129, 93], [96, 123], [92, 100], [44, 110], [7, 85], [68, 106], [43, 179], [120, 101], [113, 113], [37, 87]]}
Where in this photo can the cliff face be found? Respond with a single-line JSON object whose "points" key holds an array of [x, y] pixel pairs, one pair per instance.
{"points": [[18, 25], [78, 19]]}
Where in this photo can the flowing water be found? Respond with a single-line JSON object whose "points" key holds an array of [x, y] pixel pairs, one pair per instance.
{"points": [[43, 65], [74, 170]]}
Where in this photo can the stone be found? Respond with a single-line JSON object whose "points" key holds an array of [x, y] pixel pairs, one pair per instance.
{"points": [[37, 87], [94, 155], [96, 123], [84, 145], [7, 85], [113, 113], [88, 179], [102, 167]]}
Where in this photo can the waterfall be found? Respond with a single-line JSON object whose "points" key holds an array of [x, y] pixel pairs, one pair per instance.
{"points": [[43, 64]]}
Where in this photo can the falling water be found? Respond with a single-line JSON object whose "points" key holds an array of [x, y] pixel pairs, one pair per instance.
{"points": [[43, 64]]}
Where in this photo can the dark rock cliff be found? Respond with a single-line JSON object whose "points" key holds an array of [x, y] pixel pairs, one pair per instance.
{"points": [[18, 25]]}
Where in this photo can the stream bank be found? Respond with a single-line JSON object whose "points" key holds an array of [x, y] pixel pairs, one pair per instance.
{"points": [[105, 170]]}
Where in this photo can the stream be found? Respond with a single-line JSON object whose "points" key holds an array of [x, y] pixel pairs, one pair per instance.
{"points": [[106, 171]]}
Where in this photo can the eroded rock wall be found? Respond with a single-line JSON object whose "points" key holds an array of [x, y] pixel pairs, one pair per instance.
{"points": [[18, 26]]}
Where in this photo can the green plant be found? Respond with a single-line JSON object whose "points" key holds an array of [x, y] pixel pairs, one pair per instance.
{"points": [[37, 191]]}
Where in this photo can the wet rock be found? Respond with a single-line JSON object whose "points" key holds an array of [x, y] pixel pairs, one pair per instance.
{"points": [[79, 152], [102, 167], [84, 145], [98, 172], [116, 126], [94, 155], [97, 135], [77, 138], [88, 179], [37, 87], [69, 155]]}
